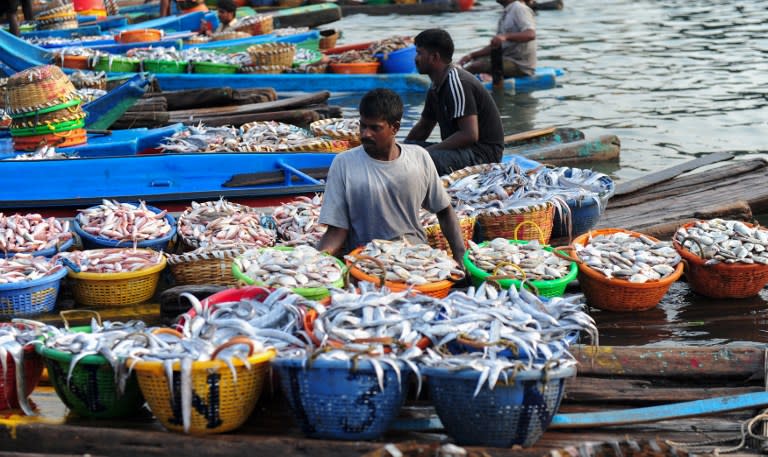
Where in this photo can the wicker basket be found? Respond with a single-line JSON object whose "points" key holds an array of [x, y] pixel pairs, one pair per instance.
{"points": [[72, 113], [532, 223], [37, 88], [449, 179], [619, 294], [229, 400], [204, 267], [439, 289], [116, 289], [722, 280], [256, 25], [279, 54], [322, 128], [262, 69], [63, 8], [437, 240], [328, 38]]}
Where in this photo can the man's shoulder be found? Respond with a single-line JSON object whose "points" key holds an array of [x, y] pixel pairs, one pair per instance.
{"points": [[349, 155], [463, 76]]}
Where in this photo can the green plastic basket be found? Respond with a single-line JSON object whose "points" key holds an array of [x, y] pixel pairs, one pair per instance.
{"points": [[546, 288], [47, 129], [165, 66], [314, 57], [118, 65], [48, 109], [211, 67], [92, 391], [310, 293]]}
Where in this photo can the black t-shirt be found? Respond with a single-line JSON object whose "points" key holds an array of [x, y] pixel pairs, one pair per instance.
{"points": [[461, 94]]}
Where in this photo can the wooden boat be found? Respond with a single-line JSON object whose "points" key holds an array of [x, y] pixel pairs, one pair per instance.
{"points": [[18, 55], [562, 146]]}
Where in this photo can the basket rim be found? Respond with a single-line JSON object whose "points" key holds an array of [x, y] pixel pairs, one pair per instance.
{"points": [[157, 368], [425, 288], [42, 252], [525, 375], [363, 365], [700, 262], [297, 290], [98, 239], [64, 356], [479, 273], [464, 220], [56, 275], [48, 109], [593, 274], [121, 276], [47, 129]]}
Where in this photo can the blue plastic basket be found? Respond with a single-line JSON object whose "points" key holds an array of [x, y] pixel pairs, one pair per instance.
{"points": [[517, 413], [400, 61], [50, 252], [28, 298], [98, 242], [584, 214], [454, 347], [330, 401]]}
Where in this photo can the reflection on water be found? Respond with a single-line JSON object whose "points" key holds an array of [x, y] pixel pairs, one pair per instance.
{"points": [[673, 79]]}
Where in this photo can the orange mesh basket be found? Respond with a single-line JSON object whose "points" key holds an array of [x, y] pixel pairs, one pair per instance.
{"points": [[722, 280], [438, 289], [535, 221], [229, 402], [60, 140], [619, 294], [116, 289], [437, 240]]}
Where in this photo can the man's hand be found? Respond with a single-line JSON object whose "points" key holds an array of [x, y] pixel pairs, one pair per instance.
{"points": [[497, 40], [465, 59]]}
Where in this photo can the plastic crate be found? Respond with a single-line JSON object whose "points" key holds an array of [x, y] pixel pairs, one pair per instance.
{"points": [[399, 61]]}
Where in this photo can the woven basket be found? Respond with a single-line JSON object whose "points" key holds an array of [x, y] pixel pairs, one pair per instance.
{"points": [[476, 169], [64, 8], [72, 113], [722, 280], [37, 88], [228, 400], [437, 240], [322, 128], [532, 223], [439, 289], [619, 294], [280, 54], [262, 69], [256, 25], [64, 25], [204, 267], [116, 289], [328, 39]]}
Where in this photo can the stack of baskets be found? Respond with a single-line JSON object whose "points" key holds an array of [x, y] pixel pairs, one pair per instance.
{"points": [[45, 110], [270, 58], [261, 24], [57, 18]]}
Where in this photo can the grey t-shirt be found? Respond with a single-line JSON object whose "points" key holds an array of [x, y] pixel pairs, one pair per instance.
{"points": [[518, 17], [376, 199]]}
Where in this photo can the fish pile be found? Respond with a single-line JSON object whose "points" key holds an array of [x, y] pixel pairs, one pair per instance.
{"points": [[124, 221], [252, 137], [390, 44], [113, 260], [414, 264], [495, 181], [194, 221], [14, 338], [45, 152], [337, 127], [26, 267], [274, 136], [60, 53], [728, 241], [302, 266], [236, 231], [88, 79], [297, 221], [87, 95], [353, 56], [31, 232], [156, 53], [285, 31], [636, 259], [519, 260], [42, 41]]}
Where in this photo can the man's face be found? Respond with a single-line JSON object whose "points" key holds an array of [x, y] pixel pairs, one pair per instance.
{"points": [[424, 60], [225, 16], [377, 135]]}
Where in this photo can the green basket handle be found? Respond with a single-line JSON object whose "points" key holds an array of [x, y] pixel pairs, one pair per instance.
{"points": [[69, 312]]}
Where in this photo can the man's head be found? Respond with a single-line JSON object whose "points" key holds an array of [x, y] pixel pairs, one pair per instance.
{"points": [[433, 47], [226, 10], [380, 114]]}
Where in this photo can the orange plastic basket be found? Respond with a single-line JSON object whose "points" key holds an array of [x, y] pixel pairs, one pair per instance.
{"points": [[722, 280], [439, 289], [60, 140], [138, 36], [354, 67], [79, 62], [619, 294]]}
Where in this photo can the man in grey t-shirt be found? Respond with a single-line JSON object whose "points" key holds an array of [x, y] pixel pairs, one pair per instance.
{"points": [[375, 191], [516, 34]]}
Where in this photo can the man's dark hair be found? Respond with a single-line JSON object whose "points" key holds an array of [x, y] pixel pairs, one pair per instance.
{"points": [[227, 5], [436, 40], [382, 104]]}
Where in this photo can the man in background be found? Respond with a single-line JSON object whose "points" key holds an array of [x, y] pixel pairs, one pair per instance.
{"points": [[11, 8]]}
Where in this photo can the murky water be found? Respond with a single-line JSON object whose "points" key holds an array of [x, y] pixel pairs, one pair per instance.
{"points": [[673, 79]]}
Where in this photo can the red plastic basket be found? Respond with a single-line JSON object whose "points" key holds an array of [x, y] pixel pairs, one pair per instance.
{"points": [[33, 369]]}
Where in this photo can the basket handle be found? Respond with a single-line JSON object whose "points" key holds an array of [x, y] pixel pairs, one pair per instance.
{"points": [[527, 283], [495, 275], [167, 331], [541, 233], [234, 341], [698, 244], [563, 253], [379, 263], [494, 279], [70, 312]]}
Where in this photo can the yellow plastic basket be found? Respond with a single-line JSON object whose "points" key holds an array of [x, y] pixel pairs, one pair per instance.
{"points": [[228, 403], [116, 289]]}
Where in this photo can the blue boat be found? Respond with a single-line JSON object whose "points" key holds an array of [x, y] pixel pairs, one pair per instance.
{"points": [[105, 110], [18, 55]]}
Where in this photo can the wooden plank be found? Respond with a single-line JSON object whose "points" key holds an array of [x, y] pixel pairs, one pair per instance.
{"points": [[528, 134], [669, 173], [634, 391], [276, 105], [605, 148], [300, 117]]}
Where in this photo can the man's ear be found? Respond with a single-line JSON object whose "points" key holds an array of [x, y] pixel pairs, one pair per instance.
{"points": [[396, 126]]}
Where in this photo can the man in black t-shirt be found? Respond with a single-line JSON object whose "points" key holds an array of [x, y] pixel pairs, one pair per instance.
{"points": [[470, 124]]}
